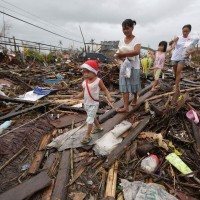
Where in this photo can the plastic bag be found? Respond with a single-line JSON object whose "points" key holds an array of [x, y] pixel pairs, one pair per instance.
{"points": [[138, 190], [109, 141], [150, 163], [125, 70]]}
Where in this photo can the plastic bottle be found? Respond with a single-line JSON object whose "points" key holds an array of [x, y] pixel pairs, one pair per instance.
{"points": [[5, 125], [150, 163]]}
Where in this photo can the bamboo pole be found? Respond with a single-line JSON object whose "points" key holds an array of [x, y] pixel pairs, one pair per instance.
{"points": [[169, 93], [11, 159]]}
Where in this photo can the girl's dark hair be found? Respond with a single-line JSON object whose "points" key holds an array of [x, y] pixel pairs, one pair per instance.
{"points": [[129, 22], [187, 26], [163, 43]]}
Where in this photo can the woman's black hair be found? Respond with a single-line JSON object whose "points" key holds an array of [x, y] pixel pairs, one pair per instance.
{"points": [[163, 43], [187, 26], [129, 22]]}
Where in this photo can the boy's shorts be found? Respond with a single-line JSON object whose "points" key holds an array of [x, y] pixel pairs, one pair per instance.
{"points": [[91, 111], [176, 62], [157, 72]]}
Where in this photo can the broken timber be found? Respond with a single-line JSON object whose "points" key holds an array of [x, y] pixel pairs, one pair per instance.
{"points": [[7, 99], [35, 165], [119, 150], [9, 116], [119, 117], [112, 112], [28, 188], [196, 133], [60, 189]]}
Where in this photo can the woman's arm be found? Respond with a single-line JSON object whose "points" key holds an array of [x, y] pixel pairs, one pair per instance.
{"points": [[134, 52]]}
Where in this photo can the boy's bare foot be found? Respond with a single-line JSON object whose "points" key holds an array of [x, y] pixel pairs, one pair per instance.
{"points": [[153, 89], [157, 86], [122, 110]]}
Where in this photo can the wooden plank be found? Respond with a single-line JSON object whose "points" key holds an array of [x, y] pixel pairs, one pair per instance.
{"points": [[7, 99], [9, 116], [27, 188], [48, 192], [44, 141], [60, 189], [112, 112], [67, 120], [196, 133], [119, 117], [119, 150], [39, 155], [65, 107], [112, 181], [35, 165]]}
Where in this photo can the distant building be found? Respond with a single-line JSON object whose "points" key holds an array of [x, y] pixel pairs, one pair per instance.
{"points": [[109, 48]]}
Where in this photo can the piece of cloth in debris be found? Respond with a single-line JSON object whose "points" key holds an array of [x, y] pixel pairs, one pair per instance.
{"points": [[192, 115], [30, 96], [72, 138], [41, 91], [109, 141], [138, 190], [35, 94]]}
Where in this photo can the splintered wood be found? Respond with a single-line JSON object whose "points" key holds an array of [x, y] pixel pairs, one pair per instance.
{"points": [[112, 180]]}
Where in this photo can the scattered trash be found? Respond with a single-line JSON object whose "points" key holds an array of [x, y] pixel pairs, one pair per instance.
{"points": [[150, 163], [138, 190]]}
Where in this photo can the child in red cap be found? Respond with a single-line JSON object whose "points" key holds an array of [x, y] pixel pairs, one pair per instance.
{"points": [[91, 88]]}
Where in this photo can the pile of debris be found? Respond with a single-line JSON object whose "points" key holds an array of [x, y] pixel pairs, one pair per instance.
{"points": [[150, 152]]}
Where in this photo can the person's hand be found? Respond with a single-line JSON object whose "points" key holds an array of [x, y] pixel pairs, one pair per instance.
{"points": [[111, 100], [188, 53], [120, 55]]}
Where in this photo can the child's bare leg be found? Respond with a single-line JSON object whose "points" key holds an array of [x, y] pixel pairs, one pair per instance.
{"points": [[178, 75], [89, 130], [96, 122]]}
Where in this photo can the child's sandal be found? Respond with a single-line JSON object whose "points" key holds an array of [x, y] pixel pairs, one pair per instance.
{"points": [[86, 140], [97, 130]]}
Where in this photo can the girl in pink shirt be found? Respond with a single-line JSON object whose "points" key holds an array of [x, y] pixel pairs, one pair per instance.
{"points": [[159, 63]]}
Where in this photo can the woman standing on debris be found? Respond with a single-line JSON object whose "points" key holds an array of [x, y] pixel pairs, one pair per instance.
{"points": [[178, 59], [129, 78]]}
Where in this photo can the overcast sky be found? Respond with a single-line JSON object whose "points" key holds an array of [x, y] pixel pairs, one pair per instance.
{"points": [[100, 19]]}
